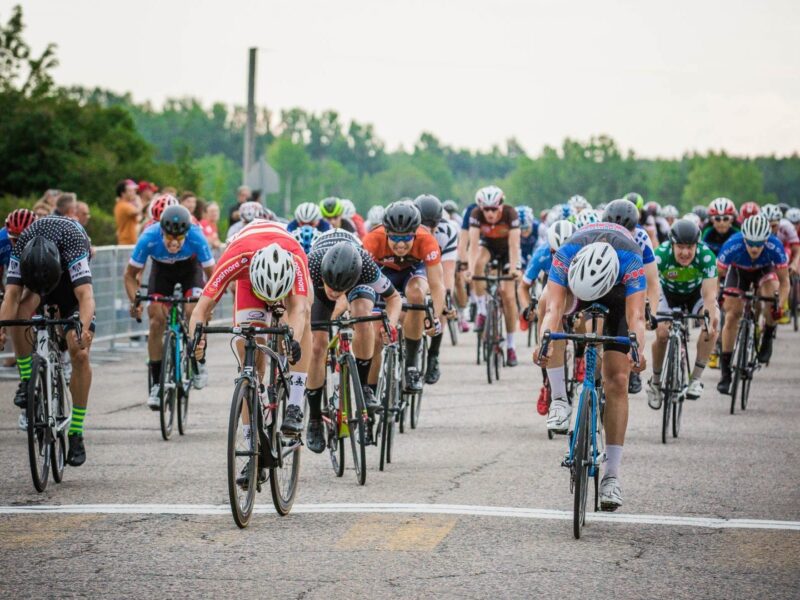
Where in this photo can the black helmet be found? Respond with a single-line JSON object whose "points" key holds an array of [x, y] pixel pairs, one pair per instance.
{"points": [[430, 209], [622, 212], [176, 220], [684, 232], [341, 266], [701, 211], [784, 207], [40, 265], [401, 217]]}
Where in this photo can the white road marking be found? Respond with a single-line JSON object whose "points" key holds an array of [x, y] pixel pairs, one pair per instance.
{"points": [[434, 509]]}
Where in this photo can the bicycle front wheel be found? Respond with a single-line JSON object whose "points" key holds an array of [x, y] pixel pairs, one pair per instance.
{"points": [[739, 366], [416, 397], [39, 440], [243, 464], [354, 403], [169, 389], [747, 380], [452, 327], [682, 372], [187, 371], [488, 340], [61, 417], [580, 466], [284, 474], [386, 387], [668, 389]]}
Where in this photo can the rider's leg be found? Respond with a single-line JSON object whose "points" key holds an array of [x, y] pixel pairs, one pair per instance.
{"points": [[479, 287], [510, 312], [361, 305], [23, 348], [659, 347], [768, 286], [157, 315], [415, 291], [616, 366], [81, 377]]}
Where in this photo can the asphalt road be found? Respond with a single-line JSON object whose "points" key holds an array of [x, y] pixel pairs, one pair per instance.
{"points": [[477, 446]]}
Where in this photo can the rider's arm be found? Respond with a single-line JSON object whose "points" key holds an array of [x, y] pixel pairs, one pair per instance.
{"points": [[298, 315], [554, 307], [85, 295], [653, 283], [463, 242], [783, 290], [394, 308], [634, 315], [513, 248], [131, 279], [474, 248], [708, 290], [11, 299], [436, 282], [201, 313]]}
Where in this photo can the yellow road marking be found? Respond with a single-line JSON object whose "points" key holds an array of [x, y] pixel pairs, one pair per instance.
{"points": [[397, 533], [38, 531]]}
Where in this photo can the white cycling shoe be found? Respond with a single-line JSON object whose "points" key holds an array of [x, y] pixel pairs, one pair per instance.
{"points": [[610, 494], [558, 417], [154, 401], [695, 389], [653, 395], [200, 379]]}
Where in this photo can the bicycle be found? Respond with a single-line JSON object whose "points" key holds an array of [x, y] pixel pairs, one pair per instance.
{"points": [[261, 409], [492, 335], [344, 413], [49, 408], [794, 299], [413, 400], [744, 361], [586, 444], [452, 322], [177, 365], [675, 367]]}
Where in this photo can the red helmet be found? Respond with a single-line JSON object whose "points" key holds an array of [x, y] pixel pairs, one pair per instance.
{"points": [[722, 207], [18, 221], [159, 203], [747, 210]]}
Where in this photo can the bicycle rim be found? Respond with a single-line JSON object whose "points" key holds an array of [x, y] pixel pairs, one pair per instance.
{"points": [[38, 430], [242, 456], [169, 389], [668, 388], [356, 423], [58, 453], [387, 418], [740, 358], [581, 469], [284, 475], [488, 341], [746, 381], [185, 388], [452, 325]]}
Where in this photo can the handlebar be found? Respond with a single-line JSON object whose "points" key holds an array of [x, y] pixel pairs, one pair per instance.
{"points": [[343, 322], [592, 338], [427, 308], [492, 278], [172, 300], [40, 321], [752, 296]]}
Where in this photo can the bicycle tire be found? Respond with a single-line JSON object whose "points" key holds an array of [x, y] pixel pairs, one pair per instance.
{"points": [[354, 419], [185, 388], [334, 441], [285, 473], [581, 468], [479, 347], [169, 389], [677, 409], [58, 454], [499, 327], [668, 389], [416, 397], [38, 431], [452, 327], [740, 358], [488, 341], [385, 393], [748, 379], [242, 500]]}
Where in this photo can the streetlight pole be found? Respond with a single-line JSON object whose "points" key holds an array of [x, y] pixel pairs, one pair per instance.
{"points": [[248, 157]]}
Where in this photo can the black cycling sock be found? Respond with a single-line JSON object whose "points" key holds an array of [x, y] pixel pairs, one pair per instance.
{"points": [[436, 343], [155, 371], [580, 350], [363, 365], [411, 352], [725, 362], [314, 403], [373, 387]]}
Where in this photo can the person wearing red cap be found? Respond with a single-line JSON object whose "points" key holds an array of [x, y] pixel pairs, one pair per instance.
{"points": [[127, 212]]}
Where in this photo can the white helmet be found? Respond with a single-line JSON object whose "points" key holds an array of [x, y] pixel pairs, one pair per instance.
{"points": [[670, 212], [558, 233], [272, 273], [307, 212], [250, 211], [586, 217], [333, 237], [693, 218], [793, 214], [375, 216], [772, 212], [722, 206], [578, 203], [490, 195], [756, 228], [348, 208], [593, 271]]}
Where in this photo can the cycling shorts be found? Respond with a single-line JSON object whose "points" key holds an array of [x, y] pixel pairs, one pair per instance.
{"points": [[498, 254], [63, 296], [400, 279], [615, 322], [164, 276], [741, 280], [691, 303], [322, 309]]}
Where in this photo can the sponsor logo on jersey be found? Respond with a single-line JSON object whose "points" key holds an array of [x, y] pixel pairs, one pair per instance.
{"points": [[635, 274], [216, 283], [80, 270]]}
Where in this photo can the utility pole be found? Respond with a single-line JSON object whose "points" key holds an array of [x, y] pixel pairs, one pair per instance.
{"points": [[249, 157]]}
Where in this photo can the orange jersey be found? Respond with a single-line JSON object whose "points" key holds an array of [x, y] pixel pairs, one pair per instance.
{"points": [[234, 263], [425, 249]]}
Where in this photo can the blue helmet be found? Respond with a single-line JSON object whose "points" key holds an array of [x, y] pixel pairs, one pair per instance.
{"points": [[306, 235], [525, 214]]}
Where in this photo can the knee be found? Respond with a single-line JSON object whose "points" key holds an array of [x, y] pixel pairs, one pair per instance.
{"points": [[319, 344], [662, 333], [415, 293], [616, 383], [80, 358]]}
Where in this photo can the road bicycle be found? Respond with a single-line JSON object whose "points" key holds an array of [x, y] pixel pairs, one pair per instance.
{"points": [[744, 360], [49, 408], [390, 393], [492, 335], [452, 322], [794, 299], [178, 367], [586, 443], [255, 440], [675, 367], [413, 399], [344, 413]]}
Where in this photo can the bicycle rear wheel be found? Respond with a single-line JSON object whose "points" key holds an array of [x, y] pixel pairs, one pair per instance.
{"points": [[668, 389], [61, 417], [169, 389], [488, 340], [354, 403], [187, 371], [285, 472], [386, 395], [452, 327], [677, 409], [39, 440], [580, 466], [740, 360], [749, 371], [242, 454]]}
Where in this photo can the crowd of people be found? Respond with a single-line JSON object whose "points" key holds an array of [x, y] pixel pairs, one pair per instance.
{"points": [[325, 259]]}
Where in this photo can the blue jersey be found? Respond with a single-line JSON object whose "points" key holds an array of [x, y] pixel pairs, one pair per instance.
{"points": [[151, 245], [322, 226], [734, 254], [5, 248], [642, 239], [540, 261], [526, 246], [466, 215], [631, 268]]}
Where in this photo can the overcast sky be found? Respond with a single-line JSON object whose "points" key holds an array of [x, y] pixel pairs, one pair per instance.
{"points": [[660, 77]]}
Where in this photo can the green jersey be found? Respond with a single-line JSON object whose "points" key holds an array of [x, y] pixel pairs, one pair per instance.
{"points": [[678, 279]]}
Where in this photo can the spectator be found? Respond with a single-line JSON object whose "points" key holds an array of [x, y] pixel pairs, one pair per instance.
{"points": [[209, 224], [170, 190], [42, 209], [66, 206], [189, 200], [127, 212], [82, 214], [50, 197], [242, 195], [146, 191]]}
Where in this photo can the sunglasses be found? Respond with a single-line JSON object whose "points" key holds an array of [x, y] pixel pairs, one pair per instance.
{"points": [[398, 239], [720, 218], [754, 244], [177, 238], [491, 208]]}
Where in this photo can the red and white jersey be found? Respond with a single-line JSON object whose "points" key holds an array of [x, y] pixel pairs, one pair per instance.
{"points": [[787, 234], [234, 263]]}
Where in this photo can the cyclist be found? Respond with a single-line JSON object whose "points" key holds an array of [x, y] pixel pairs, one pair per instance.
{"points": [[452, 211], [670, 214], [332, 211], [270, 271], [784, 230], [620, 212], [446, 234], [600, 263], [17, 221], [350, 215], [308, 213], [722, 217], [344, 275], [528, 234], [156, 208], [306, 235], [374, 217], [558, 233], [248, 212], [753, 258], [51, 261], [180, 255], [645, 221], [688, 272], [747, 210], [578, 204], [793, 216], [494, 235], [410, 257]]}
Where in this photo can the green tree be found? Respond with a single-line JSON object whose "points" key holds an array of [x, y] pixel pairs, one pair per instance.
{"points": [[20, 71], [219, 176], [720, 175], [291, 161]]}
